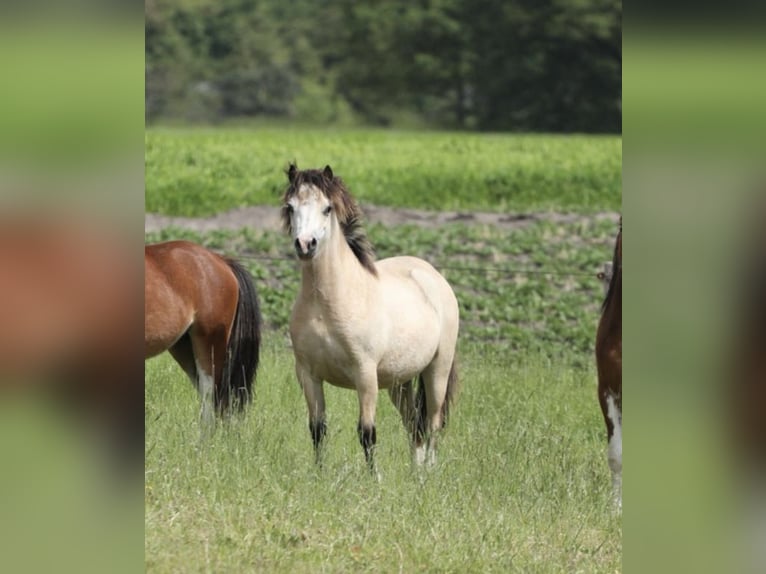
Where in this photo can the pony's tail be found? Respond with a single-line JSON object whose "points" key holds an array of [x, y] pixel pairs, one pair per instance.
{"points": [[421, 414], [243, 350]]}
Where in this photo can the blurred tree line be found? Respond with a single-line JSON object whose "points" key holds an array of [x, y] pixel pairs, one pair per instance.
{"points": [[520, 65]]}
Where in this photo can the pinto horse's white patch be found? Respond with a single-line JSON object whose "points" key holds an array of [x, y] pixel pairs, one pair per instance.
{"points": [[615, 447]]}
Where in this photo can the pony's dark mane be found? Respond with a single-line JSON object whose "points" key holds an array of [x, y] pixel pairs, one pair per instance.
{"points": [[346, 210], [615, 283]]}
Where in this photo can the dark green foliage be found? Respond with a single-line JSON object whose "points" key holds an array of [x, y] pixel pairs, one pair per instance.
{"points": [[519, 65]]}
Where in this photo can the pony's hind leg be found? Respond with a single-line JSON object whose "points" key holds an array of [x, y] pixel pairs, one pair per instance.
{"points": [[436, 384], [403, 397], [183, 353]]}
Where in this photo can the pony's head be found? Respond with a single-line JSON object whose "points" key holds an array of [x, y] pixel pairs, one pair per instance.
{"points": [[314, 199]]}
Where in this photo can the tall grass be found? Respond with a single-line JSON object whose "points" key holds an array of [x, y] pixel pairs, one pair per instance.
{"points": [[197, 172], [521, 484]]}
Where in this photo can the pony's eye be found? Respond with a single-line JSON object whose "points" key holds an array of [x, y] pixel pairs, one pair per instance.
{"points": [[327, 210], [289, 208]]}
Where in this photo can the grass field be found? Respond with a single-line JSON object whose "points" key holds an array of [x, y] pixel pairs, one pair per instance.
{"points": [[197, 172], [522, 483]]}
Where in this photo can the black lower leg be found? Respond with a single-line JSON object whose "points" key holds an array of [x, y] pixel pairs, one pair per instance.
{"points": [[367, 437], [318, 430]]}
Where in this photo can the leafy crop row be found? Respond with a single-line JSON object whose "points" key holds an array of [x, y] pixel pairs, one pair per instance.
{"points": [[530, 289]]}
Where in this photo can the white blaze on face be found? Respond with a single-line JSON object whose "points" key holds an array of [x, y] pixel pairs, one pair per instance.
{"points": [[309, 219]]}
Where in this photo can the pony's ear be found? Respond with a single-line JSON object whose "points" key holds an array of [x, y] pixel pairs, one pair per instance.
{"points": [[327, 172], [291, 171]]}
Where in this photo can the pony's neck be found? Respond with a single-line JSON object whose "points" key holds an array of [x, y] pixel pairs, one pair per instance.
{"points": [[335, 273]]}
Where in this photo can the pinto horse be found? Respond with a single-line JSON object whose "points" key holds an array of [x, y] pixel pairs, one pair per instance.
{"points": [[203, 308], [609, 367], [363, 324]]}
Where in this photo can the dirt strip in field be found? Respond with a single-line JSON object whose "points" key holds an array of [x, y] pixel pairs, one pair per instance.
{"points": [[267, 218]]}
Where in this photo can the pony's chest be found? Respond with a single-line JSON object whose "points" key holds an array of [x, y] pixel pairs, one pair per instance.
{"points": [[320, 345]]}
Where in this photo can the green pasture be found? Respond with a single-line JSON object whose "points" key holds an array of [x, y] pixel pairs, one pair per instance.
{"points": [[521, 485], [196, 171]]}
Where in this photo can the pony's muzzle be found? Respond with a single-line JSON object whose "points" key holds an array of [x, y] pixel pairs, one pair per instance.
{"points": [[306, 248]]}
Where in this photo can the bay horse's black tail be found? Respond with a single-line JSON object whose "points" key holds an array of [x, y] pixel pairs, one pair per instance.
{"points": [[421, 413], [243, 350]]}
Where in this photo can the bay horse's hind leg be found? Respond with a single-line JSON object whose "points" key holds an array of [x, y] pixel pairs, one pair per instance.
{"points": [[183, 353], [209, 356]]}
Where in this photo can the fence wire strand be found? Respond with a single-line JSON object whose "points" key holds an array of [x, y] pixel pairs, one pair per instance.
{"points": [[510, 271]]}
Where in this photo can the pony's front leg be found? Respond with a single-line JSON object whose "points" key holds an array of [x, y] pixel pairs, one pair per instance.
{"points": [[367, 387], [313, 390]]}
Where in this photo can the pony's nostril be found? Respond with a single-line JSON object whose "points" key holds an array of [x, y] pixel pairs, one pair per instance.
{"points": [[305, 246]]}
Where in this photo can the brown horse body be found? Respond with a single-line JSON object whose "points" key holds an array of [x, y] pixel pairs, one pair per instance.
{"points": [[609, 366], [203, 309]]}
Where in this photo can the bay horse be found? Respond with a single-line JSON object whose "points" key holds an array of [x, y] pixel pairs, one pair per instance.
{"points": [[366, 325], [203, 308], [609, 367]]}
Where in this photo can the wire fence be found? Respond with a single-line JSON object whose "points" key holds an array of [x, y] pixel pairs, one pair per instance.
{"points": [[509, 271]]}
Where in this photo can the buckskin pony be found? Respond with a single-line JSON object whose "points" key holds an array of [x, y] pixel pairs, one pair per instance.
{"points": [[366, 325]]}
